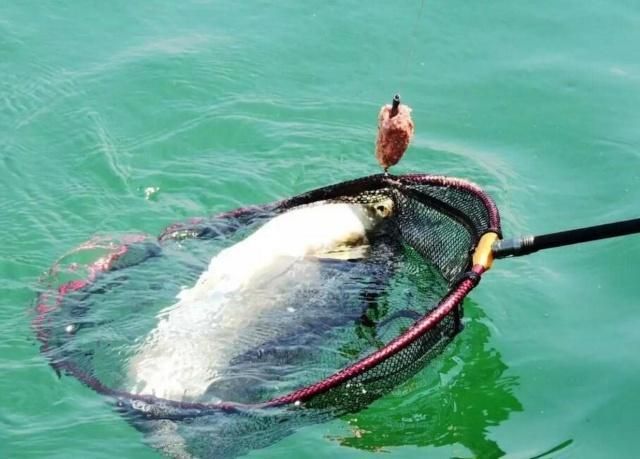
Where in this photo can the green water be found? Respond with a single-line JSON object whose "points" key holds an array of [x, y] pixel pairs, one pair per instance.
{"points": [[220, 104]]}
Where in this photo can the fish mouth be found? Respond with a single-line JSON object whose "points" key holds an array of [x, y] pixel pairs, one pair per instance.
{"points": [[381, 209]]}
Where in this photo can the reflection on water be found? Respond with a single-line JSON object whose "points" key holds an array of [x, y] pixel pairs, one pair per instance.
{"points": [[452, 402]]}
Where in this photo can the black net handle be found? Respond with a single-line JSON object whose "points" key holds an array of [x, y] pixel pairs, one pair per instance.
{"points": [[517, 247]]}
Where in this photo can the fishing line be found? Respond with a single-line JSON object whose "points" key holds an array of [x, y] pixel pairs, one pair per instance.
{"points": [[412, 39]]}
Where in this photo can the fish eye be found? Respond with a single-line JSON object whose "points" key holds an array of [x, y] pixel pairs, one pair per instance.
{"points": [[383, 210]]}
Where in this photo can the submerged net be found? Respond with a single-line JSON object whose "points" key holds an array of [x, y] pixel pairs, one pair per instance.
{"points": [[349, 334]]}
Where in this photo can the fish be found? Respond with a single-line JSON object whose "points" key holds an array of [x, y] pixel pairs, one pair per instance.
{"points": [[214, 321]]}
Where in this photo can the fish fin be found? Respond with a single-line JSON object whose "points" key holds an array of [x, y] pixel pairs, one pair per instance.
{"points": [[346, 253]]}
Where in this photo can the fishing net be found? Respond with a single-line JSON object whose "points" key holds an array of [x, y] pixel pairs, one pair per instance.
{"points": [[341, 338]]}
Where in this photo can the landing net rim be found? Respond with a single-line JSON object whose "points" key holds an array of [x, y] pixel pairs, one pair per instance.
{"points": [[158, 408]]}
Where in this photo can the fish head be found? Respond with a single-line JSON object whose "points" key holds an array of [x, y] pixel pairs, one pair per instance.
{"points": [[380, 209]]}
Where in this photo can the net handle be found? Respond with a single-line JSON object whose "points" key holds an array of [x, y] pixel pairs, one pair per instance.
{"points": [[525, 245]]}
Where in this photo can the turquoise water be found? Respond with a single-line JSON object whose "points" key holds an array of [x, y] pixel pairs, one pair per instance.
{"points": [[117, 116]]}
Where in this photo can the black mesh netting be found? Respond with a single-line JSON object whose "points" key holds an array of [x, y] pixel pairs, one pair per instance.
{"points": [[344, 332]]}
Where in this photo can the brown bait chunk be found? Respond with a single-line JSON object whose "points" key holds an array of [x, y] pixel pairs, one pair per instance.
{"points": [[395, 130]]}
